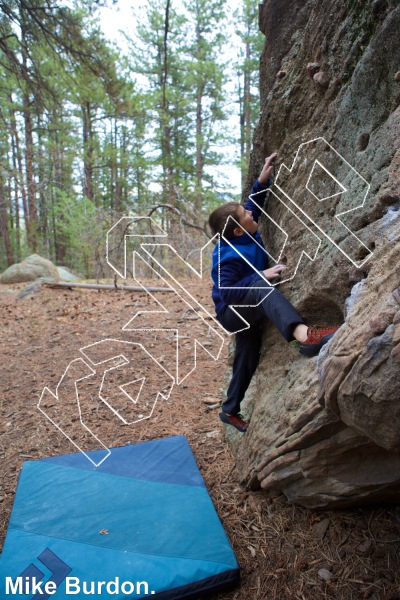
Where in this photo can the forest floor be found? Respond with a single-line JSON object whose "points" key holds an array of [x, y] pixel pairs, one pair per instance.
{"points": [[285, 552]]}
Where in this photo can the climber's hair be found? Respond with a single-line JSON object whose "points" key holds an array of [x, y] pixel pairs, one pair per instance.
{"points": [[219, 219]]}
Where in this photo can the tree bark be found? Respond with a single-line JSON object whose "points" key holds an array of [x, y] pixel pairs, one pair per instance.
{"points": [[247, 103], [87, 152], [243, 169], [199, 130], [19, 185], [105, 286], [42, 188], [59, 240], [31, 215], [118, 161], [166, 127], [199, 151], [4, 230], [31, 223]]}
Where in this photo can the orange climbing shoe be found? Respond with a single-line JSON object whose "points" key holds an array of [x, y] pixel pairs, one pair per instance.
{"points": [[236, 420], [317, 336]]}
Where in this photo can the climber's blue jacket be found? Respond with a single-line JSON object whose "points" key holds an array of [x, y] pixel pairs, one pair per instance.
{"points": [[235, 273]]}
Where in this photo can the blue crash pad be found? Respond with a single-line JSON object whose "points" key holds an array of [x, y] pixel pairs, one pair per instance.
{"points": [[142, 523]]}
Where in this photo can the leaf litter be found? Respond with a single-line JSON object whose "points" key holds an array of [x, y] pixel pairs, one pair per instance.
{"points": [[285, 552]]}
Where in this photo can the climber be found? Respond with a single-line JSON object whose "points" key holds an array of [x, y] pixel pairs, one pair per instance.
{"points": [[245, 284]]}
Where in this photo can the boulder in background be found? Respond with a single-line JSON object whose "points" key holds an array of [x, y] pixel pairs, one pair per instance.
{"points": [[32, 268]]}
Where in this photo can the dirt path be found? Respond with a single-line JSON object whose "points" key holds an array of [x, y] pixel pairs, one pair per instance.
{"points": [[285, 552]]}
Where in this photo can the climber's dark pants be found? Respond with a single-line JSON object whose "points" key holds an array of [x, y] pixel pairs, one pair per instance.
{"points": [[269, 302]]}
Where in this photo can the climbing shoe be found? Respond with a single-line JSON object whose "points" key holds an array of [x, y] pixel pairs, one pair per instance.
{"points": [[236, 421], [317, 336]]}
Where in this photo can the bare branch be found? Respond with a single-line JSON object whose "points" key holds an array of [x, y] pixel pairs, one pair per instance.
{"points": [[175, 210]]}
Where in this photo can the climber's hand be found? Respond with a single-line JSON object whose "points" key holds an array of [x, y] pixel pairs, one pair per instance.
{"points": [[267, 168], [273, 272]]}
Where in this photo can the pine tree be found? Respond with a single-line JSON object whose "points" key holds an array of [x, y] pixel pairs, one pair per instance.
{"points": [[252, 42], [206, 78]]}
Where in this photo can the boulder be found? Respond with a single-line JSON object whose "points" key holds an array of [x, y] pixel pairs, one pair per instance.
{"points": [[32, 268], [66, 275], [326, 431]]}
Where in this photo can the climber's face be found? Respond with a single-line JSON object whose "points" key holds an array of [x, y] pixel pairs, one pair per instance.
{"points": [[246, 221]]}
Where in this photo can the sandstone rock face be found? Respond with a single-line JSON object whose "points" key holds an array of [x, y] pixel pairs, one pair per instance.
{"points": [[326, 431], [32, 268]]}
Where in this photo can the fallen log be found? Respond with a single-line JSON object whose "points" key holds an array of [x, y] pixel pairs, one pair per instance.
{"points": [[106, 286]]}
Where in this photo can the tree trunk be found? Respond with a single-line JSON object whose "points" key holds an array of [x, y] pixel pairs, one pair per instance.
{"points": [[19, 186], [125, 169], [4, 230], [43, 185], [31, 215], [59, 240], [31, 224], [166, 128], [87, 152], [199, 131], [247, 105], [117, 163]]}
